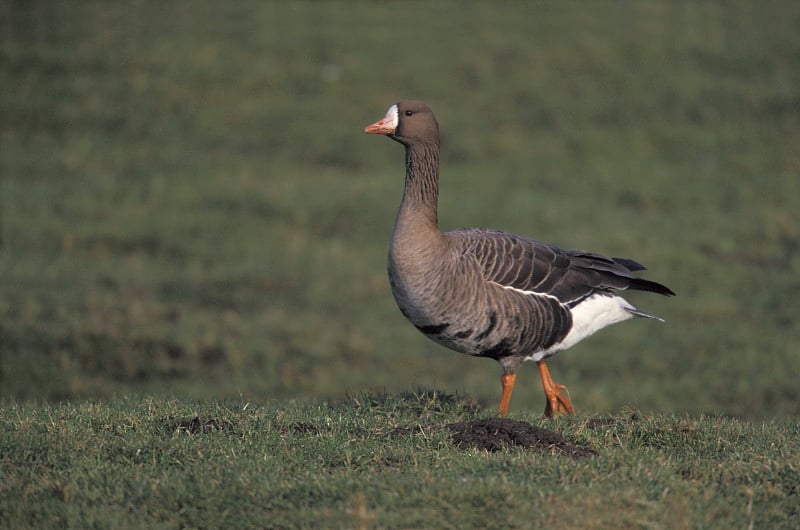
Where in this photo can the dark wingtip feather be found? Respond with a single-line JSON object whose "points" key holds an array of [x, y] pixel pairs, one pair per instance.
{"points": [[641, 284], [630, 264]]}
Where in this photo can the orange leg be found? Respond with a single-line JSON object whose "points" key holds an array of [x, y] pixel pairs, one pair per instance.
{"points": [[557, 403], [507, 380]]}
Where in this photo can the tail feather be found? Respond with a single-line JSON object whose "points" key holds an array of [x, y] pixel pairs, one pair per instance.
{"points": [[639, 313]]}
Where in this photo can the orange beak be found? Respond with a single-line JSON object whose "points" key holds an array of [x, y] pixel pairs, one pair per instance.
{"points": [[386, 125]]}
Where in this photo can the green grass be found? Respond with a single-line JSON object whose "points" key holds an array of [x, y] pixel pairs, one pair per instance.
{"points": [[190, 211], [127, 463]]}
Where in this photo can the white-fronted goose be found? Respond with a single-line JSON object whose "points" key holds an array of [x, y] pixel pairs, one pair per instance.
{"points": [[489, 293]]}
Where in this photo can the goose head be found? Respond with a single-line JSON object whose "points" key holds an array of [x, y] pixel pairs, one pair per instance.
{"points": [[407, 122]]}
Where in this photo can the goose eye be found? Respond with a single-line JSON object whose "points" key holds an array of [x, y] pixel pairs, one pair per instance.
{"points": [[408, 113]]}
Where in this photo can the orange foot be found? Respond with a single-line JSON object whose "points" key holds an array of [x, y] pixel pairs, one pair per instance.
{"points": [[557, 403]]}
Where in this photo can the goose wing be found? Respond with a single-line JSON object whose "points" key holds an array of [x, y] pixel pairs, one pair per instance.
{"points": [[528, 265]]}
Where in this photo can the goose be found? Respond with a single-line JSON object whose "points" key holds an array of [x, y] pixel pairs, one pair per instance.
{"points": [[489, 293]]}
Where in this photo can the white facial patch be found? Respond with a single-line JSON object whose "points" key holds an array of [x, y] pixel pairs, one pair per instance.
{"points": [[391, 117]]}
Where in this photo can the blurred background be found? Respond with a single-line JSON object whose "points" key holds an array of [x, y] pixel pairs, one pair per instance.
{"points": [[190, 207]]}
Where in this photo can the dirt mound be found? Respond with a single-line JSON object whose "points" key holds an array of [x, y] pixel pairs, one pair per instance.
{"points": [[497, 434]]}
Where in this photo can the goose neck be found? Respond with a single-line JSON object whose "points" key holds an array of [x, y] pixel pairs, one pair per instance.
{"points": [[421, 193]]}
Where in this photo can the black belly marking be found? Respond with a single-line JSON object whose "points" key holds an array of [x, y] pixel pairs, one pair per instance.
{"points": [[433, 330], [498, 351], [492, 323], [463, 334]]}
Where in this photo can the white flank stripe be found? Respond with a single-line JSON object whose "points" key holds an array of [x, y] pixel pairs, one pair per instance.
{"points": [[529, 293]]}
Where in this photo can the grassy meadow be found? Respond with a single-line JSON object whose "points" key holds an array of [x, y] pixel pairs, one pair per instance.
{"points": [[378, 461], [192, 218]]}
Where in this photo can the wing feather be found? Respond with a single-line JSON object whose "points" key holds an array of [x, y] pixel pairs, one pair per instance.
{"points": [[528, 265]]}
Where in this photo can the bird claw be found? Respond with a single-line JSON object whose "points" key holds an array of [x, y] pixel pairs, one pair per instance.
{"points": [[557, 403]]}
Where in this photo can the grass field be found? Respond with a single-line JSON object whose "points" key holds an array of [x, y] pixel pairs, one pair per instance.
{"points": [[377, 461], [191, 212]]}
